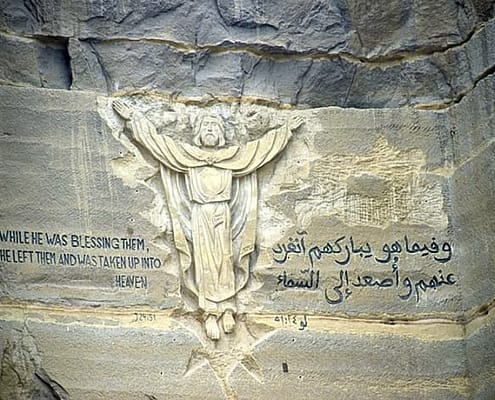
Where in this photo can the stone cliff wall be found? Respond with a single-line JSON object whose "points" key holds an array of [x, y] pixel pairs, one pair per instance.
{"points": [[372, 274]]}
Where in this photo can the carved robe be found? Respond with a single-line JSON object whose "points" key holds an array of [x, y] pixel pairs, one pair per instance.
{"points": [[212, 200]]}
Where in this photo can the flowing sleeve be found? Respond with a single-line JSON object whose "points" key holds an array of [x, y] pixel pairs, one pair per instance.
{"points": [[258, 152], [162, 147]]}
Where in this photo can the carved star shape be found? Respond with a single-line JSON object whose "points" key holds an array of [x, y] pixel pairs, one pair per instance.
{"points": [[223, 363], [225, 355]]}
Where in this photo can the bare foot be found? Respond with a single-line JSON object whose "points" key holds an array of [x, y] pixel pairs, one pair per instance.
{"points": [[228, 321], [212, 329]]}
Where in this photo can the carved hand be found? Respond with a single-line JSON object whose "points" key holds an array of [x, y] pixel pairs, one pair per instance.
{"points": [[295, 122], [122, 109]]}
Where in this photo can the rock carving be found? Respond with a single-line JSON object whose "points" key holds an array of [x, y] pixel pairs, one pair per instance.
{"points": [[211, 191]]}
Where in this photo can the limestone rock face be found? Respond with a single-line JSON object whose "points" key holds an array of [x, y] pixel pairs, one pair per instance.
{"points": [[39, 63], [352, 201], [361, 29], [310, 54]]}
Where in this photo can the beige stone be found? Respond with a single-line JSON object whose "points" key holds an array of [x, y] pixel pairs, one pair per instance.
{"points": [[92, 291]]}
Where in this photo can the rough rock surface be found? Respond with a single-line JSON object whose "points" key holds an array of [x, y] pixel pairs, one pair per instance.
{"points": [[315, 54], [40, 63], [397, 150]]}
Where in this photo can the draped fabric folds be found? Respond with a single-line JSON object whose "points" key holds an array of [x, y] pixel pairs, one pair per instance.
{"points": [[212, 200]]}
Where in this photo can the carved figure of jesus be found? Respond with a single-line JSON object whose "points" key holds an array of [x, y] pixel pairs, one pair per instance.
{"points": [[211, 191]]}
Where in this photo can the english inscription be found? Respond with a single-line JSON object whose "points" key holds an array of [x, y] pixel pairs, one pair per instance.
{"points": [[48, 249]]}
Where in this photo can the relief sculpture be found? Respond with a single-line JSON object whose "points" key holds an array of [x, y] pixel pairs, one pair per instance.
{"points": [[211, 190]]}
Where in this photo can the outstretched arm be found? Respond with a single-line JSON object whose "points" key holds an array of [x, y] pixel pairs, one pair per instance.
{"points": [[163, 148], [261, 151]]}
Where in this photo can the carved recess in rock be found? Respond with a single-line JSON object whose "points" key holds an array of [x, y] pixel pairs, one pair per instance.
{"points": [[212, 196], [40, 62]]}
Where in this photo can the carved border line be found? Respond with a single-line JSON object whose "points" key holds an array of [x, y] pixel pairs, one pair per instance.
{"points": [[425, 329]]}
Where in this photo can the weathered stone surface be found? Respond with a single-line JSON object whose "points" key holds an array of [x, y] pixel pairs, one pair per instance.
{"points": [[111, 355], [87, 72], [337, 150], [468, 64], [308, 82], [481, 357], [113, 205], [324, 191], [339, 28], [319, 365], [109, 362], [474, 219], [362, 29], [68, 187], [469, 135], [41, 63], [371, 274], [473, 149], [22, 374], [192, 55]]}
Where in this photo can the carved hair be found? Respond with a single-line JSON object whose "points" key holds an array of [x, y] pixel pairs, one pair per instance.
{"points": [[197, 128]]}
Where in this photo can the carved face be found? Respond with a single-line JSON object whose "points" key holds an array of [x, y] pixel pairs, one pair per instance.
{"points": [[211, 133]]}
